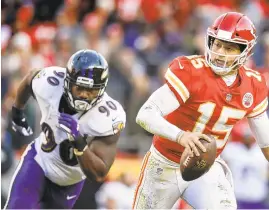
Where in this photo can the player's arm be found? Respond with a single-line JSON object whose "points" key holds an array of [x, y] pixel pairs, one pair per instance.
{"points": [[258, 118], [259, 126], [24, 92], [151, 117], [95, 154], [98, 157]]}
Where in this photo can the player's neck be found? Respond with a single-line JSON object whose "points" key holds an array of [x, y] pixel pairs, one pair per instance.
{"points": [[230, 78]]}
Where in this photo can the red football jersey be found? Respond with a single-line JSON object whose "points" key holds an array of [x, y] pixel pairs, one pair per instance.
{"points": [[207, 104]]}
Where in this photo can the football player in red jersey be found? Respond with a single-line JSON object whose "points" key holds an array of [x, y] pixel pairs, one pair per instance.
{"points": [[202, 95]]}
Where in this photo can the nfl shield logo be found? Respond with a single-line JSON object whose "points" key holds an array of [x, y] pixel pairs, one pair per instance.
{"points": [[229, 97]]}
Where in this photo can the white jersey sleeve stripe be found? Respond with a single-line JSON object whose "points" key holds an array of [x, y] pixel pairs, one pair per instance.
{"points": [[260, 108], [177, 84]]}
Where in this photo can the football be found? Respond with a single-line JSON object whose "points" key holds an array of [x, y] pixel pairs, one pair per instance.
{"points": [[193, 167]]}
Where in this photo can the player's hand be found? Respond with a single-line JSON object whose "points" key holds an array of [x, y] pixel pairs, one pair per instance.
{"points": [[70, 126], [190, 140], [19, 122]]}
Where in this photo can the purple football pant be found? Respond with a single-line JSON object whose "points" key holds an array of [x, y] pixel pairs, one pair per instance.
{"points": [[32, 190], [252, 205]]}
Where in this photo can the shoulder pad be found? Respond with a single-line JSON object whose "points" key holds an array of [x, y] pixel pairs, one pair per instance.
{"points": [[260, 88], [106, 118], [178, 78], [192, 63], [48, 81], [180, 62]]}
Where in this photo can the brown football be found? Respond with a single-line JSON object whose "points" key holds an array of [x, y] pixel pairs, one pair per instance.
{"points": [[193, 167]]}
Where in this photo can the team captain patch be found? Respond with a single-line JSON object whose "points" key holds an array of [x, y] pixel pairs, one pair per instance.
{"points": [[247, 100]]}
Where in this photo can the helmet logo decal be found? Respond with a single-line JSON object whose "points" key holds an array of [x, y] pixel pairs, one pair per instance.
{"points": [[247, 100], [104, 74]]}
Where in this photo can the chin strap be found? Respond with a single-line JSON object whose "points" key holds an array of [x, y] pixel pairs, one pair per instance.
{"points": [[81, 105]]}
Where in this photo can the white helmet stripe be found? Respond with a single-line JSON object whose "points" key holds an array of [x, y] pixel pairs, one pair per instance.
{"points": [[224, 34]]}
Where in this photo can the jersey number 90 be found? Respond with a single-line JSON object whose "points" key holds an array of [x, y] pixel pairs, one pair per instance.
{"points": [[49, 143], [66, 148]]}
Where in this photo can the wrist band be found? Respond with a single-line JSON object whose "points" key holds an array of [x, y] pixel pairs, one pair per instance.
{"points": [[179, 136], [80, 153], [16, 111], [80, 142]]}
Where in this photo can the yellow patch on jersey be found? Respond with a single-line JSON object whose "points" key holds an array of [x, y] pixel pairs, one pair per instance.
{"points": [[118, 126]]}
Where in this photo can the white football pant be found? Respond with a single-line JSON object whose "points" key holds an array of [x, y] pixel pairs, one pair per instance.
{"points": [[160, 185]]}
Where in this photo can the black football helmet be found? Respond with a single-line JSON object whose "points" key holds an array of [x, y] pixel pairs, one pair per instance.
{"points": [[88, 69]]}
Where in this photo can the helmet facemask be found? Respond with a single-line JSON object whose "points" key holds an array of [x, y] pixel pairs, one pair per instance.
{"points": [[239, 60], [83, 104], [88, 70]]}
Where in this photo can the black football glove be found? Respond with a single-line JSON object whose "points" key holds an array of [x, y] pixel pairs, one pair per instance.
{"points": [[19, 123]]}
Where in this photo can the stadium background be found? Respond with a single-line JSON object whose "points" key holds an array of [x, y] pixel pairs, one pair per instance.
{"points": [[138, 38]]}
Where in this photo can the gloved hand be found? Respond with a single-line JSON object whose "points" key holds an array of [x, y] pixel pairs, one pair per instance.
{"points": [[19, 123], [70, 126]]}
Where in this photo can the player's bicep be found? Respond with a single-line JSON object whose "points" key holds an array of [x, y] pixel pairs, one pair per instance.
{"points": [[178, 79], [105, 147], [163, 99]]}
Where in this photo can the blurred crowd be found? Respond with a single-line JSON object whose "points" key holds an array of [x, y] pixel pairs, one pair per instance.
{"points": [[137, 37]]}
